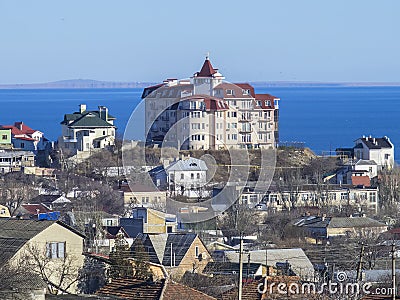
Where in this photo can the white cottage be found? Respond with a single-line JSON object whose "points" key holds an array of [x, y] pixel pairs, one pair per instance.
{"points": [[187, 177], [380, 150]]}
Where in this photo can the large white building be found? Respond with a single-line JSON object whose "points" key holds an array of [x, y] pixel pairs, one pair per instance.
{"points": [[205, 112], [87, 131]]}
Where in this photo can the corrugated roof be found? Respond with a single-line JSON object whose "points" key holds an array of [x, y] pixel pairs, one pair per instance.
{"points": [[299, 261], [230, 268], [347, 222]]}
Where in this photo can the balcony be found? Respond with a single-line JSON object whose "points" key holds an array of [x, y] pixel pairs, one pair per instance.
{"points": [[69, 139], [249, 119]]}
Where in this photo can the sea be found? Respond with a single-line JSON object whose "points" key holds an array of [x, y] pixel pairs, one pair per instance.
{"points": [[321, 118]]}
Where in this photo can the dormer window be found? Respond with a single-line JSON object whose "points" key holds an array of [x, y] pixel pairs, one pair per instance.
{"points": [[246, 92], [193, 164], [267, 103], [259, 103], [229, 92]]}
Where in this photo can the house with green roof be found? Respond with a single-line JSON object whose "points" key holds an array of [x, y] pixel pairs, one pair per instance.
{"points": [[87, 131]]}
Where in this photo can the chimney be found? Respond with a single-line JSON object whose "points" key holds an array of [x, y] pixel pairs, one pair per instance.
{"points": [[19, 125], [82, 108], [103, 113]]}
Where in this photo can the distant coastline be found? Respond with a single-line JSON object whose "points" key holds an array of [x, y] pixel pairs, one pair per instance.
{"points": [[77, 84], [95, 84]]}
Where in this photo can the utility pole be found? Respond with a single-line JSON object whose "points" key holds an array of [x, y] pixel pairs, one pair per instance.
{"points": [[393, 272], [360, 262], [240, 284], [248, 265], [266, 260]]}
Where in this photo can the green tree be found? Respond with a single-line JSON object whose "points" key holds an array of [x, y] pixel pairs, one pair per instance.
{"points": [[142, 268], [121, 267]]}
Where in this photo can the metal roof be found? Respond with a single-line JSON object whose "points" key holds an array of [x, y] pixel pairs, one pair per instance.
{"points": [[159, 246], [299, 261], [347, 222], [190, 164]]}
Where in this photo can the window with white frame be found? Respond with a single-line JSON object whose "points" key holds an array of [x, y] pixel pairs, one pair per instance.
{"points": [[372, 197], [55, 250]]}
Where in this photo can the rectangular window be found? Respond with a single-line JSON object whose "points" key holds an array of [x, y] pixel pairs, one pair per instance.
{"points": [[4, 136], [182, 176], [191, 176], [55, 249], [372, 197], [229, 92], [196, 251]]}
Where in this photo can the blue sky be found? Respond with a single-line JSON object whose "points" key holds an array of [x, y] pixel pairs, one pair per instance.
{"points": [[263, 40]]}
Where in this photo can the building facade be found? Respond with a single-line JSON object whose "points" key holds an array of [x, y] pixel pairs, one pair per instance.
{"points": [[5, 138], [15, 160], [206, 112], [380, 150], [25, 138], [87, 131], [187, 177]]}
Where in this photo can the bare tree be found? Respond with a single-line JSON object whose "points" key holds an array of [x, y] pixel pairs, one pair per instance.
{"points": [[61, 275], [15, 189]]}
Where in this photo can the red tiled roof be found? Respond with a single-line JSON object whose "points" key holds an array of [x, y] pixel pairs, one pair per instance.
{"points": [[19, 128], [177, 291], [207, 69], [215, 104], [35, 209], [361, 180], [14, 130], [24, 128], [24, 138], [134, 288], [263, 98], [246, 86]]}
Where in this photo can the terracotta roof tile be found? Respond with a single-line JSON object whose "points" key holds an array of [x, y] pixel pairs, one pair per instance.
{"points": [[132, 288], [177, 291], [207, 69]]}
